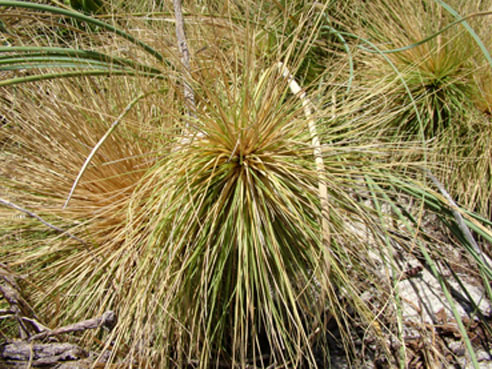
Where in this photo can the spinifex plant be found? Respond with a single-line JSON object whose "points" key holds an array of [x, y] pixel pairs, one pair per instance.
{"points": [[433, 73], [438, 73], [210, 251], [228, 233]]}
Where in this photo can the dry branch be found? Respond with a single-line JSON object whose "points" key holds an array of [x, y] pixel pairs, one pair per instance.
{"points": [[40, 354], [13, 298], [185, 56], [26, 353], [19, 308], [108, 320]]}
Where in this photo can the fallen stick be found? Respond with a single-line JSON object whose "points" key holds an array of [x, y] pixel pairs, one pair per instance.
{"points": [[40, 354], [188, 134], [19, 308], [108, 320], [15, 301]]}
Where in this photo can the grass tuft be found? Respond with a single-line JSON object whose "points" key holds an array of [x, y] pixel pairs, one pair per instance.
{"points": [[267, 227]]}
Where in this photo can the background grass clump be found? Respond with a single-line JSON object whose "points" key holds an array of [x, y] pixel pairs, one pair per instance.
{"points": [[432, 71], [267, 222]]}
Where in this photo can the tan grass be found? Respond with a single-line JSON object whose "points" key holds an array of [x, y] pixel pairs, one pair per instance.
{"points": [[211, 250]]}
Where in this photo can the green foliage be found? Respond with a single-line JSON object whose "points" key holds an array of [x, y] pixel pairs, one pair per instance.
{"points": [[78, 62]]}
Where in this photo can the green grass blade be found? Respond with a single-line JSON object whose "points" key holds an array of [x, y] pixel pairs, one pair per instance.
{"points": [[81, 17], [441, 208], [347, 50], [70, 74], [26, 51], [403, 82], [42, 62], [391, 252], [469, 29]]}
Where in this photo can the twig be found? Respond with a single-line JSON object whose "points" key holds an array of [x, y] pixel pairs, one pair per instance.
{"points": [[14, 300], [185, 56], [189, 94], [459, 219], [108, 320], [37, 325], [33, 215]]}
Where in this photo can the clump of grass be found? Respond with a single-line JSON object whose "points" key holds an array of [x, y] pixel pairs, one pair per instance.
{"points": [[437, 73], [210, 250], [437, 86], [210, 246], [52, 130], [483, 81]]}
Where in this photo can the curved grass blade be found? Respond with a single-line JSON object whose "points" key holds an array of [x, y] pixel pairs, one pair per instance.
{"points": [[428, 38], [459, 220], [94, 150], [395, 278], [315, 140], [27, 51], [347, 50], [449, 218], [469, 29], [42, 62], [432, 266], [402, 80], [81, 17], [50, 62], [69, 74]]}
